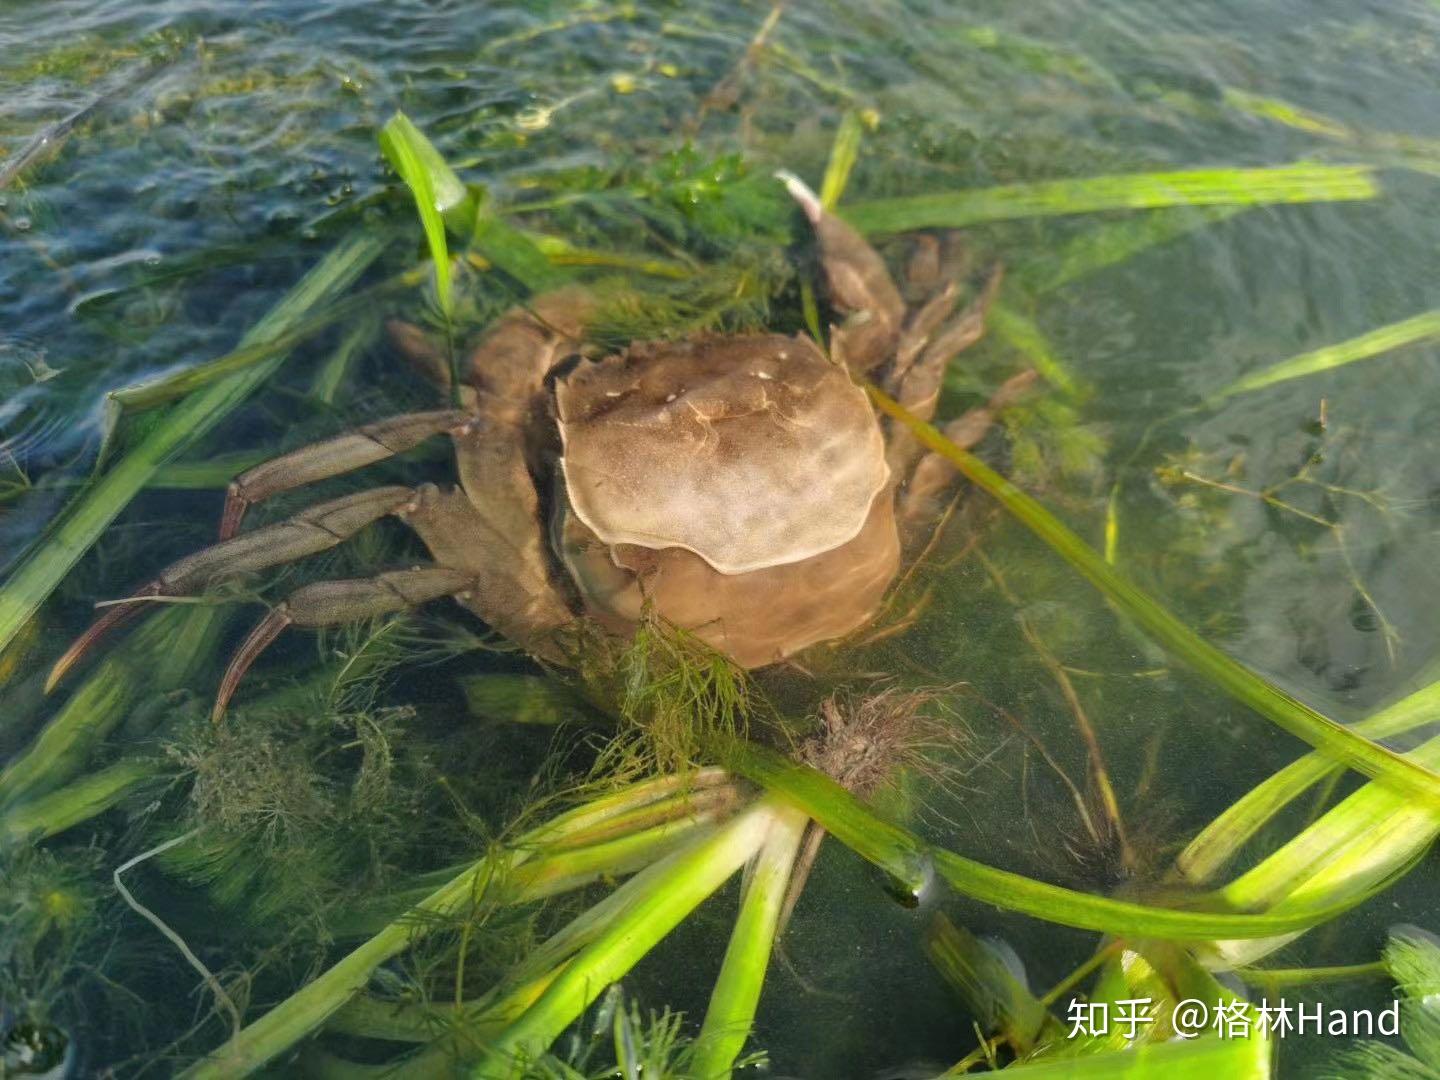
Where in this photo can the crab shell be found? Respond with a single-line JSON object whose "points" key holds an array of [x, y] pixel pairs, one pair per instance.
{"points": [[737, 486]]}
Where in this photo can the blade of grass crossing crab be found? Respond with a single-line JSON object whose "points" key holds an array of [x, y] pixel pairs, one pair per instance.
{"points": [[435, 188], [42, 817], [1223, 838], [736, 994], [1411, 331], [1270, 701], [1301, 182], [693, 876], [843, 154], [894, 849], [80, 524]]}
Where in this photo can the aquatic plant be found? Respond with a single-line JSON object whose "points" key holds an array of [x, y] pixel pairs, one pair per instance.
{"points": [[318, 817]]}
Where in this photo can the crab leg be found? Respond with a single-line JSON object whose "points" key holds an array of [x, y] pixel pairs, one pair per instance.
{"points": [[363, 446], [328, 603], [933, 475], [859, 286], [312, 530]]}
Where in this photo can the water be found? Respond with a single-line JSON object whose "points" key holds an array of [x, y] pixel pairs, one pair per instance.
{"points": [[182, 210]]}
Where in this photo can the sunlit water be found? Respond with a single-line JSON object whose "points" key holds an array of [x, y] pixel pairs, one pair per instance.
{"points": [[177, 215]]}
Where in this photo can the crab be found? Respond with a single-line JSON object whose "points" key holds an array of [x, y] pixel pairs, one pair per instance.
{"points": [[740, 487]]}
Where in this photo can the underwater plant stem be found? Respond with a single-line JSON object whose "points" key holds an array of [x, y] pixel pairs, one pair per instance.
{"points": [[892, 848], [80, 524], [1301, 720], [161, 656], [54, 812], [736, 994], [1367, 346], [306, 1009], [310, 1006], [1273, 978], [840, 813], [168, 388], [1299, 182], [221, 997], [1222, 839], [689, 879]]}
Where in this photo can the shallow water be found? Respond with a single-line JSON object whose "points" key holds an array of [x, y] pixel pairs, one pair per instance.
{"points": [[1294, 526]]}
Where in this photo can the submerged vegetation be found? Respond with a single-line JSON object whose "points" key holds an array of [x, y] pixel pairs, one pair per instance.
{"points": [[408, 851]]}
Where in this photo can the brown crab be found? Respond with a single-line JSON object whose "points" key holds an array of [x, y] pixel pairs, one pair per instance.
{"points": [[740, 487]]}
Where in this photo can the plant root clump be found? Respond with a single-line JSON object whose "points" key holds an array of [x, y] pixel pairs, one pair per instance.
{"points": [[865, 742]]}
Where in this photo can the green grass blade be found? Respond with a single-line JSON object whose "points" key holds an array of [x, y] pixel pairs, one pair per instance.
{"points": [[695, 874], [1372, 829], [843, 154], [894, 849], [1111, 243], [736, 994], [1301, 182], [147, 395], [161, 656], [1337, 741], [82, 522], [1223, 838], [1000, 1003], [1367, 346], [1022, 334], [513, 251], [435, 187], [65, 807]]}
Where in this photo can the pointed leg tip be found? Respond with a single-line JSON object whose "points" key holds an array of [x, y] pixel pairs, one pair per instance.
{"points": [[108, 620], [802, 194], [266, 631]]}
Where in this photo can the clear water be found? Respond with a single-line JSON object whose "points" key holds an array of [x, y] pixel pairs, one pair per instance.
{"points": [[173, 218]]}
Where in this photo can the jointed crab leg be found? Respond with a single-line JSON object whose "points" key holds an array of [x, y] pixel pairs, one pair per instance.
{"points": [[363, 446], [312, 530], [934, 475], [329, 603]]}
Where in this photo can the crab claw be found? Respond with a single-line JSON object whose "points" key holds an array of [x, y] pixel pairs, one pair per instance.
{"points": [[114, 615], [265, 632]]}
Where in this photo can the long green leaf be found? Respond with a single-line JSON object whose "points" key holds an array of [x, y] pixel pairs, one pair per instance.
{"points": [[1367, 346], [1301, 182], [731, 1012], [892, 848], [435, 188], [695, 874], [1339, 742], [1219, 841], [82, 522], [70, 805]]}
